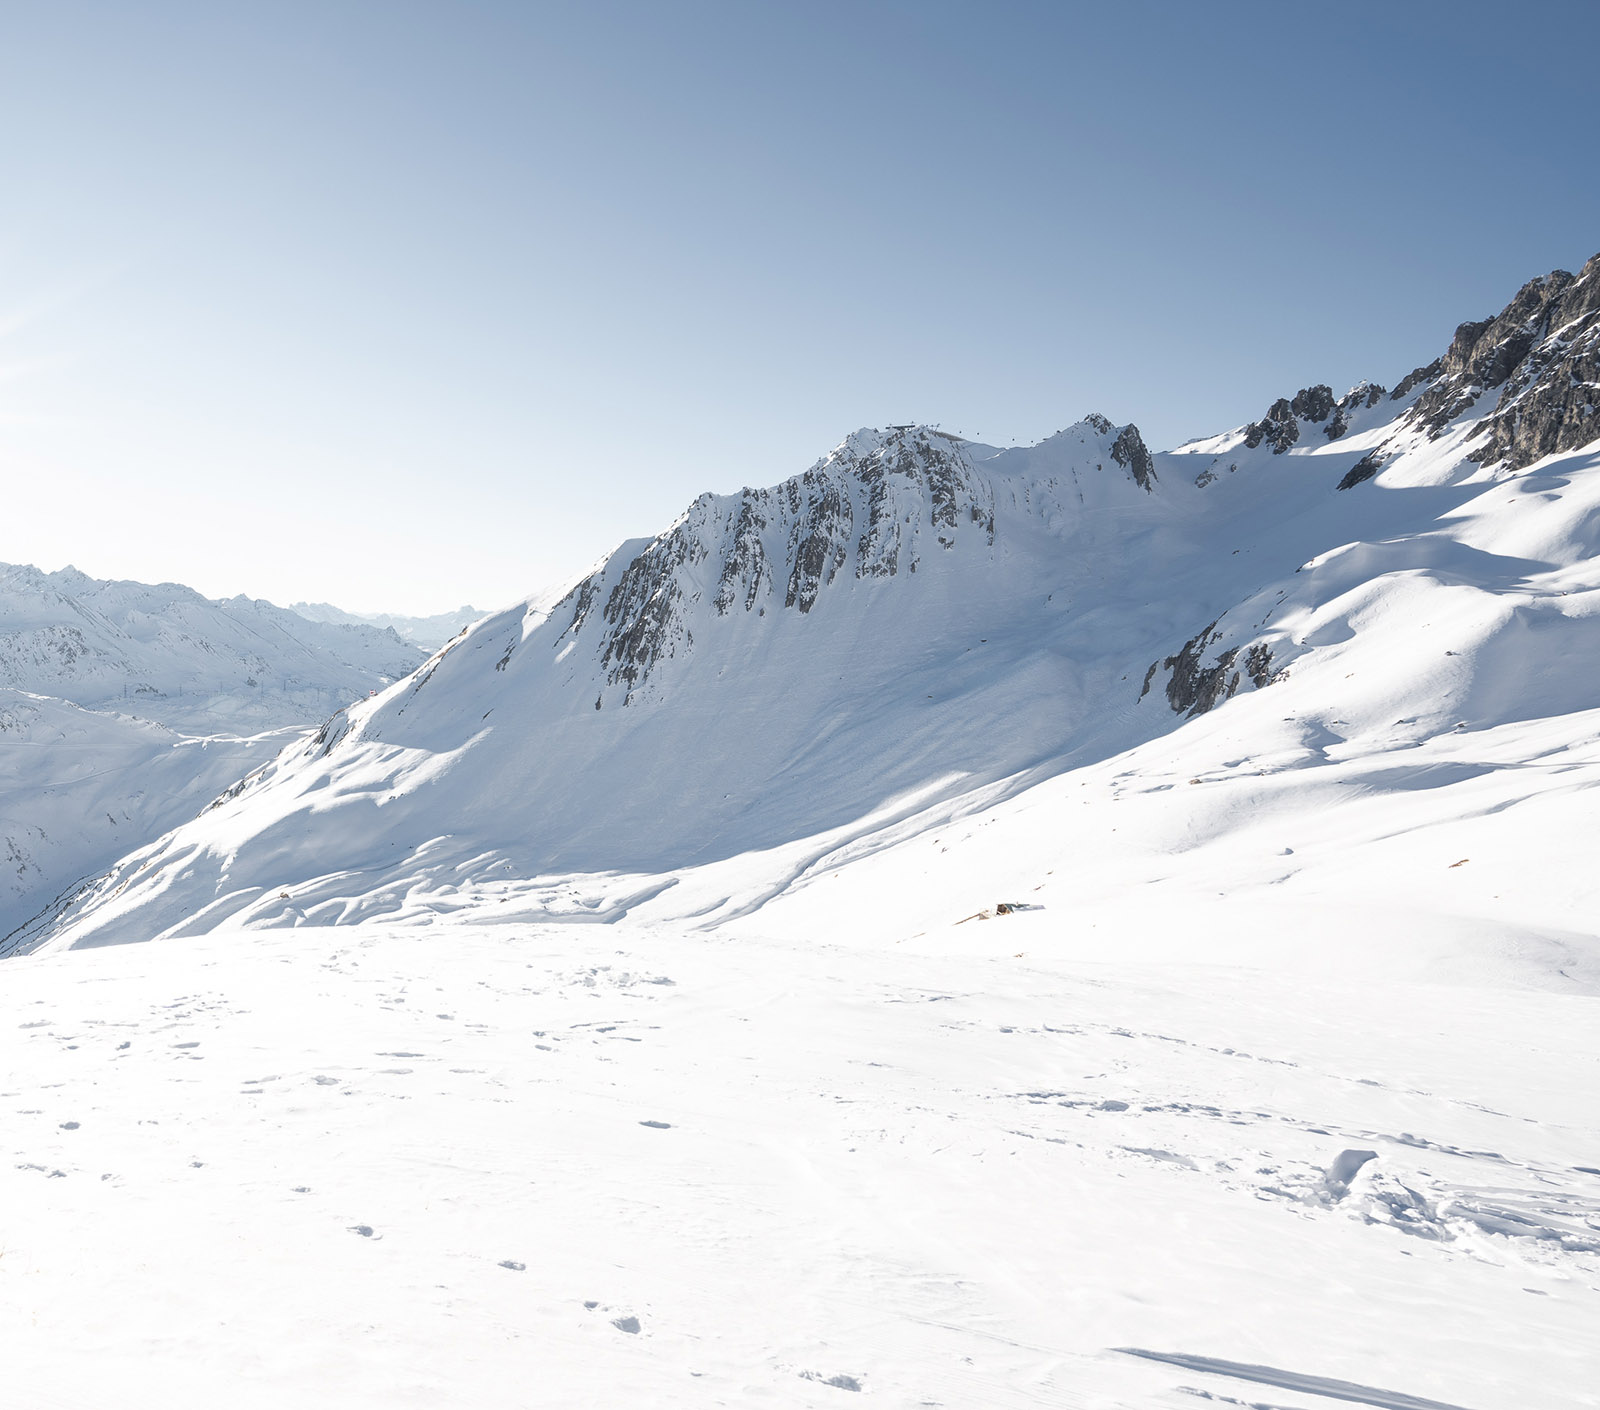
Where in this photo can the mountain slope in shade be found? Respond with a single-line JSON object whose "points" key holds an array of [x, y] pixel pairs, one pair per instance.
{"points": [[79, 787]]}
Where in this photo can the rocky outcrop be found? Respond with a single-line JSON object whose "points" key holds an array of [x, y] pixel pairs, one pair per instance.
{"points": [[1195, 687], [1550, 395], [1362, 395], [1130, 452], [819, 543], [644, 608], [1542, 353], [1414, 379], [1280, 427], [1362, 471], [745, 571]]}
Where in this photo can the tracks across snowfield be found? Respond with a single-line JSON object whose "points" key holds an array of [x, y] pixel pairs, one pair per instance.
{"points": [[492, 1167]]}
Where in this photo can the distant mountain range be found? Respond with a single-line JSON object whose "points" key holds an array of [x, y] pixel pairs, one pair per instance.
{"points": [[430, 633], [811, 683], [163, 652]]}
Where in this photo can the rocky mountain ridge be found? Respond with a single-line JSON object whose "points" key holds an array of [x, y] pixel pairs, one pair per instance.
{"points": [[877, 506]]}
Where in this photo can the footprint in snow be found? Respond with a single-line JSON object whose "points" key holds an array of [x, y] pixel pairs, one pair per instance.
{"points": [[626, 1324], [839, 1382], [513, 1265], [657, 1125], [365, 1230]]}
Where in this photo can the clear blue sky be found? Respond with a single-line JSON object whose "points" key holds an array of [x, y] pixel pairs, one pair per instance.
{"points": [[402, 305]]}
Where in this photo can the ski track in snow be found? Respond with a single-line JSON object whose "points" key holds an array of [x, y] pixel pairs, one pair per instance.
{"points": [[501, 1167]]}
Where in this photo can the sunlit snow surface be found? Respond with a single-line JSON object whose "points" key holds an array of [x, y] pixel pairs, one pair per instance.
{"points": [[537, 1035], [507, 1167]]}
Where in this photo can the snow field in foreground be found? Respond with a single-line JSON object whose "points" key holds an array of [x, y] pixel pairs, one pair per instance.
{"points": [[606, 1165]]}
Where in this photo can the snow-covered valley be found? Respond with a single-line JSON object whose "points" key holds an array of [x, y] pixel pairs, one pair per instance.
{"points": [[1064, 925], [125, 708]]}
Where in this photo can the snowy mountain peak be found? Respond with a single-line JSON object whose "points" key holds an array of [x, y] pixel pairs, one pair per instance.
{"points": [[874, 507], [882, 503]]}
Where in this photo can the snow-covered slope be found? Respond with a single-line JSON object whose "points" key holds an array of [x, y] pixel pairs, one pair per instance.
{"points": [[896, 621], [553, 1166], [165, 653], [79, 788], [919, 627], [126, 707], [1088, 928]]}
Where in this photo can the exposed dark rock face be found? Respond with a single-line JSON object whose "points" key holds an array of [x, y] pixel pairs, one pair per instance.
{"points": [[1362, 471], [1280, 427], [1277, 428], [1195, 687], [1130, 452], [819, 541], [1542, 351], [1414, 379], [1364, 395], [582, 599], [644, 606], [1258, 664], [1313, 403], [880, 499], [1551, 393]]}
